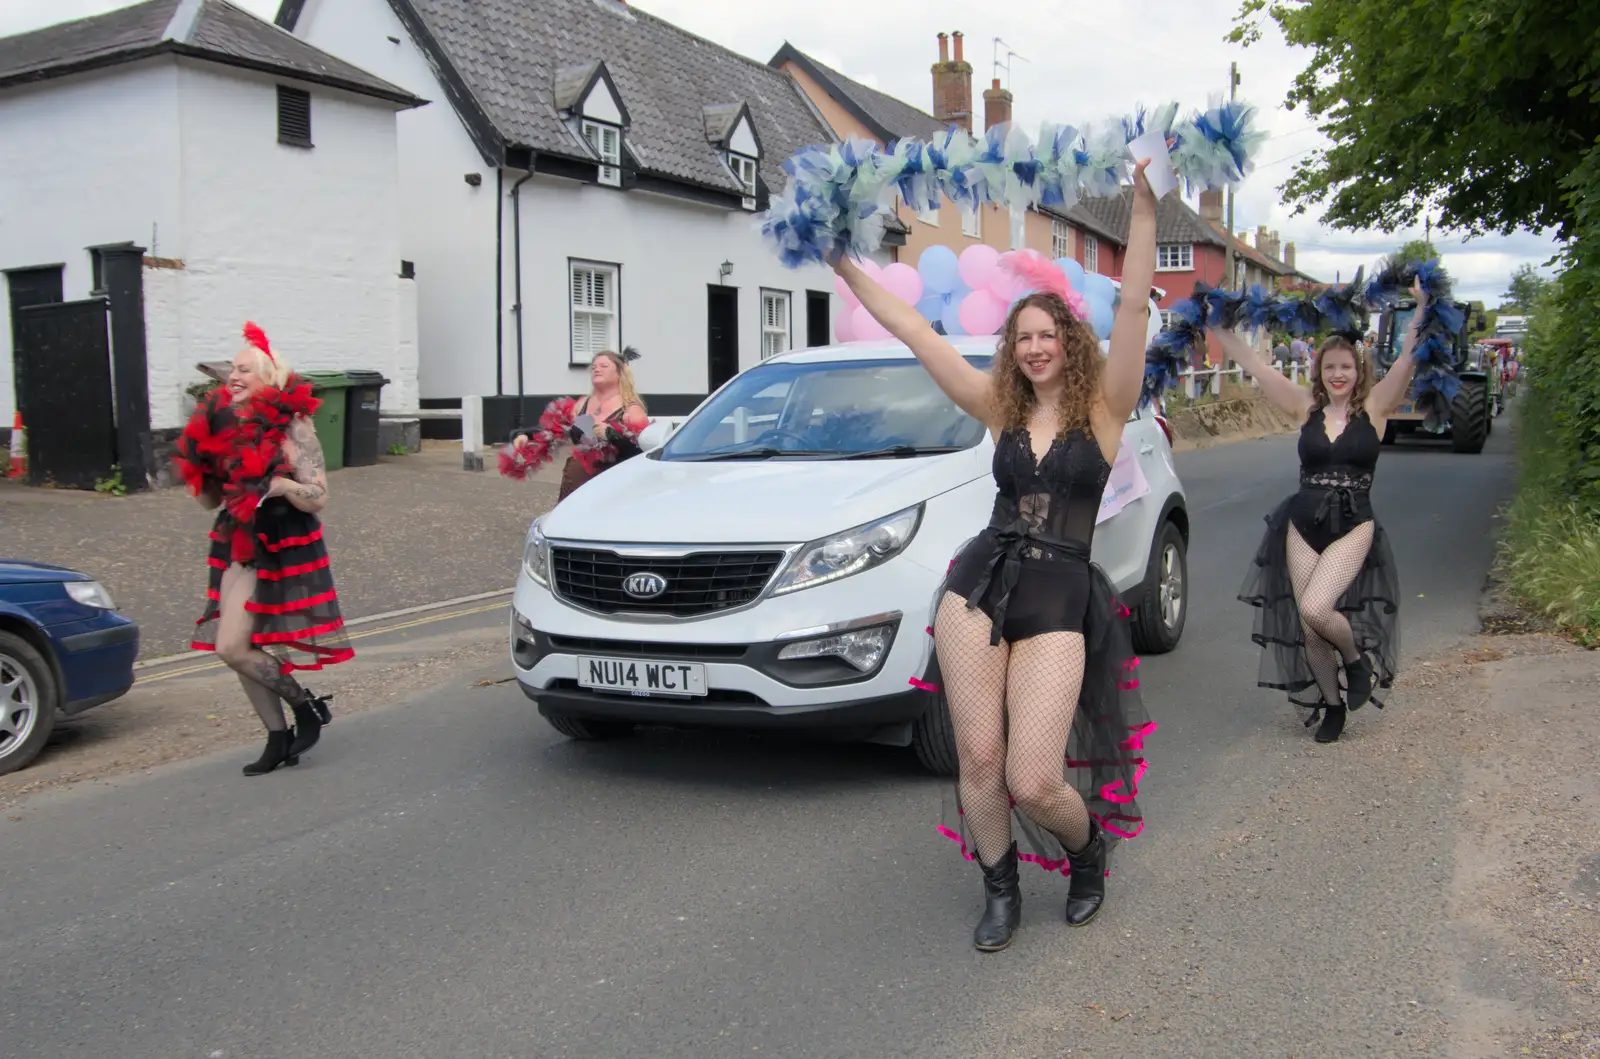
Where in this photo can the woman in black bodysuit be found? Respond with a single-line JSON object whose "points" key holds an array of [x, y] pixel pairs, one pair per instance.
{"points": [[1324, 580], [1034, 648]]}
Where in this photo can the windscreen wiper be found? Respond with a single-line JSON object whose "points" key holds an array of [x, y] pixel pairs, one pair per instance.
{"points": [[765, 452], [899, 452]]}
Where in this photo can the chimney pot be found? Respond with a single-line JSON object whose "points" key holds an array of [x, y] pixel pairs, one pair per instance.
{"points": [[944, 47], [1211, 206], [959, 38], [1288, 254], [952, 86]]}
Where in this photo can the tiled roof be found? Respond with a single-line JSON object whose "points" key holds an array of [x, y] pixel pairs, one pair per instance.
{"points": [[887, 117], [511, 56], [212, 30], [1176, 221], [1089, 222]]}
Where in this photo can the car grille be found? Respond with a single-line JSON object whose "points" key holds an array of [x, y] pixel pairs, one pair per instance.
{"points": [[697, 583]]}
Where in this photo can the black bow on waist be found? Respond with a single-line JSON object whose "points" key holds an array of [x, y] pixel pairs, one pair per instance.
{"points": [[1010, 541], [1337, 509]]}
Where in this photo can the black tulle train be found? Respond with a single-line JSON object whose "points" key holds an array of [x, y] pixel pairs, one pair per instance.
{"points": [[1371, 603]]}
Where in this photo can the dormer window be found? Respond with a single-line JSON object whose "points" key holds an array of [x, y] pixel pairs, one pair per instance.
{"points": [[589, 103], [730, 130], [745, 169], [606, 141]]}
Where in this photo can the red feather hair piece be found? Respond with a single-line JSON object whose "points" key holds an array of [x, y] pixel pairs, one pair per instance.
{"points": [[1044, 275], [258, 338]]}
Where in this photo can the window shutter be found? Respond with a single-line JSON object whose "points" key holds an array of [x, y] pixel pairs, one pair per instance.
{"points": [[294, 117]]}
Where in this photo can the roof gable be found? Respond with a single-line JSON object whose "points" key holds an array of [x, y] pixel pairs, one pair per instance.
{"points": [[728, 127], [885, 116], [578, 92], [210, 30]]}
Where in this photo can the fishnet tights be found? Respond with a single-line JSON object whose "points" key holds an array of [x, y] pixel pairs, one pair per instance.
{"points": [[1319, 581], [1034, 686]]}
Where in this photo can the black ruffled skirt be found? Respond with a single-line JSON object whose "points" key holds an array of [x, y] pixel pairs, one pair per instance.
{"points": [[1105, 750], [1371, 603], [296, 606]]}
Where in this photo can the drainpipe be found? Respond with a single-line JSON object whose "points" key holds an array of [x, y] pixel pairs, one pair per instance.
{"points": [[516, 248], [499, 281]]}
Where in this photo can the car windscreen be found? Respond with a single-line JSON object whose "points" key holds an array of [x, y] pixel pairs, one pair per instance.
{"points": [[856, 409]]}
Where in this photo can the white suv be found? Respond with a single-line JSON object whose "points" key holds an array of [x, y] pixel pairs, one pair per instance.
{"points": [[774, 564]]}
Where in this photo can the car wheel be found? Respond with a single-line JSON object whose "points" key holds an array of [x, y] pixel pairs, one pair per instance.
{"points": [[588, 728], [1158, 623], [27, 702], [933, 735]]}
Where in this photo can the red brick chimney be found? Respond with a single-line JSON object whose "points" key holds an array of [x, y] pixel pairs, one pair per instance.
{"points": [[1211, 207], [996, 105], [952, 86], [1288, 254]]}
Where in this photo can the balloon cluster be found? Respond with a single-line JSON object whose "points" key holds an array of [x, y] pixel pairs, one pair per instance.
{"points": [[1338, 309], [840, 197], [974, 293]]}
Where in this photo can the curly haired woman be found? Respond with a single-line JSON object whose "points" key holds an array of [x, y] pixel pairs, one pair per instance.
{"points": [[1324, 578], [250, 453], [1033, 647]]}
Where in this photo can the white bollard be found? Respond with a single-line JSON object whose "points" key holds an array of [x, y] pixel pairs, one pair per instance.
{"points": [[471, 433]]}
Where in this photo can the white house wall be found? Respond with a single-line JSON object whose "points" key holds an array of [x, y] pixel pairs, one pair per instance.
{"points": [[303, 242], [669, 250], [85, 161], [447, 227]]}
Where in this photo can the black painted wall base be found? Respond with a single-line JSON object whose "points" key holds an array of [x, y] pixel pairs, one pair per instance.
{"points": [[502, 415]]}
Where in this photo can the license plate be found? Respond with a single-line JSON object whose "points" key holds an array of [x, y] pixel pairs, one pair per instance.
{"points": [[644, 677]]}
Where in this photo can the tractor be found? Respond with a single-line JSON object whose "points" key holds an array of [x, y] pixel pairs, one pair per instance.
{"points": [[1475, 406]]}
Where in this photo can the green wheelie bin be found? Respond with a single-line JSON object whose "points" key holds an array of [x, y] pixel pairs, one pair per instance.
{"points": [[332, 388]]}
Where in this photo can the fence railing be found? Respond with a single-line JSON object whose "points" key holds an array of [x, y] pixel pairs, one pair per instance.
{"points": [[1209, 380]]}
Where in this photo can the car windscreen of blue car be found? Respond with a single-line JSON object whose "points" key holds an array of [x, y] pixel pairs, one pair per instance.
{"points": [[855, 409]]}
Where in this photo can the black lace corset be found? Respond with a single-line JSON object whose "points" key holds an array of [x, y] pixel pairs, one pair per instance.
{"points": [[1052, 502]]}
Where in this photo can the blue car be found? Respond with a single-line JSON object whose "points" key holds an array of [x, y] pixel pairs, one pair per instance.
{"points": [[63, 649]]}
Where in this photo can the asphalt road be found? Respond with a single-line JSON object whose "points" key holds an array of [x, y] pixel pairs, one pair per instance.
{"points": [[447, 877]]}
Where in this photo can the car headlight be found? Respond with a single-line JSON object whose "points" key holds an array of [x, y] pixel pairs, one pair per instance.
{"points": [[536, 555], [850, 552], [90, 594], [862, 648]]}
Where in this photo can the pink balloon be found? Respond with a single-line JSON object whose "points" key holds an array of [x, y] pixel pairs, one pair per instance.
{"points": [[1005, 285], [904, 282], [865, 326], [978, 263], [872, 268], [982, 313], [844, 327], [844, 292]]}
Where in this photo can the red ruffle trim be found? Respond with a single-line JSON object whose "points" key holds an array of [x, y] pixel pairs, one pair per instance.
{"points": [[294, 605]]}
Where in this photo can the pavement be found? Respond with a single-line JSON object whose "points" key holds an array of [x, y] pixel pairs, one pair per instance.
{"points": [[445, 876]]}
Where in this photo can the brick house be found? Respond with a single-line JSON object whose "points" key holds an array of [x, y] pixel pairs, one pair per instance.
{"points": [[851, 109]]}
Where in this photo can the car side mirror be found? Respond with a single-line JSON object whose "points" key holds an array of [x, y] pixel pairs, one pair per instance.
{"points": [[656, 434], [1481, 324]]}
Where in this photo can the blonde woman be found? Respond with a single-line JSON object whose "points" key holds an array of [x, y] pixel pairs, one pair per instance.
{"points": [[611, 414], [250, 453]]}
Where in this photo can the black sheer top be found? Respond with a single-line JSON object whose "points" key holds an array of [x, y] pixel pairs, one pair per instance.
{"points": [[1051, 502], [1347, 462]]}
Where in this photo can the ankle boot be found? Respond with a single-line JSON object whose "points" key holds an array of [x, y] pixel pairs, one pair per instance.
{"points": [[310, 717], [1087, 891], [276, 753], [1332, 724], [1002, 904], [1358, 682]]}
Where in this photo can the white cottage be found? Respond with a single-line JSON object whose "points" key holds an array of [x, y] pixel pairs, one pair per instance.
{"points": [[243, 172], [595, 186]]}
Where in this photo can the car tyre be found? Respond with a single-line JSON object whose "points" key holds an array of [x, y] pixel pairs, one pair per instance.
{"points": [[27, 702], [933, 735], [1158, 621], [587, 728]]}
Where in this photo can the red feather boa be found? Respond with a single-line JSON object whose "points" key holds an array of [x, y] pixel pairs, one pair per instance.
{"points": [[520, 460], [236, 451]]}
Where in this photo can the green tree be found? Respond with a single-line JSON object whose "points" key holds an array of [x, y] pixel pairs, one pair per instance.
{"points": [[1479, 107], [1526, 287], [1418, 250]]}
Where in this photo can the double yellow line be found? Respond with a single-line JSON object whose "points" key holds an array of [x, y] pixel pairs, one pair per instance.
{"points": [[429, 620]]}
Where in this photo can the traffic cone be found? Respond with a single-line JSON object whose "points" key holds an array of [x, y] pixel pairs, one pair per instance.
{"points": [[19, 448]]}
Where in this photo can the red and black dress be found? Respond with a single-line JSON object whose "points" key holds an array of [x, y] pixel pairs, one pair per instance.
{"points": [[235, 453]]}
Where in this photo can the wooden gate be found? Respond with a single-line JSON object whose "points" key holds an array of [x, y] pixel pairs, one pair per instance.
{"points": [[63, 372]]}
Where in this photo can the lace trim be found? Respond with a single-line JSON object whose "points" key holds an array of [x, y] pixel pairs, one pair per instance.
{"points": [[1336, 479]]}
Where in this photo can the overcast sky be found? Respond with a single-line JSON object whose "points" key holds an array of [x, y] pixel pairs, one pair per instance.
{"points": [[1082, 60]]}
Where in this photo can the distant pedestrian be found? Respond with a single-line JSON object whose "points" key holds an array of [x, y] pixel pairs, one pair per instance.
{"points": [[1299, 350], [608, 421], [1280, 354], [250, 453]]}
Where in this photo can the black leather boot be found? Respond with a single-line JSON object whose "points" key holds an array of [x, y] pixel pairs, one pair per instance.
{"points": [[310, 717], [1087, 891], [276, 753], [1358, 682], [1002, 904], [1332, 724]]}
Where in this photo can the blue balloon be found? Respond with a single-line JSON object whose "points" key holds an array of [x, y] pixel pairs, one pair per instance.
{"points": [[940, 270], [1101, 318], [1099, 288], [931, 307], [952, 318], [1074, 272]]}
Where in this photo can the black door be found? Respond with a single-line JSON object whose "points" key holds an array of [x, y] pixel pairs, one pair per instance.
{"points": [[28, 287], [722, 336], [63, 360], [817, 318]]}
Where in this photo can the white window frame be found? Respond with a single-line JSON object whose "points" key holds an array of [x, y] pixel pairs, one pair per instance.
{"points": [[1060, 239], [1091, 253], [779, 333], [583, 353], [1175, 257], [929, 217], [972, 223], [1019, 228], [745, 171], [610, 155]]}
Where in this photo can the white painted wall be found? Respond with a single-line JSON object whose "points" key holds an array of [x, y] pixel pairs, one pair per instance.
{"points": [[85, 161], [446, 226], [669, 250]]}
